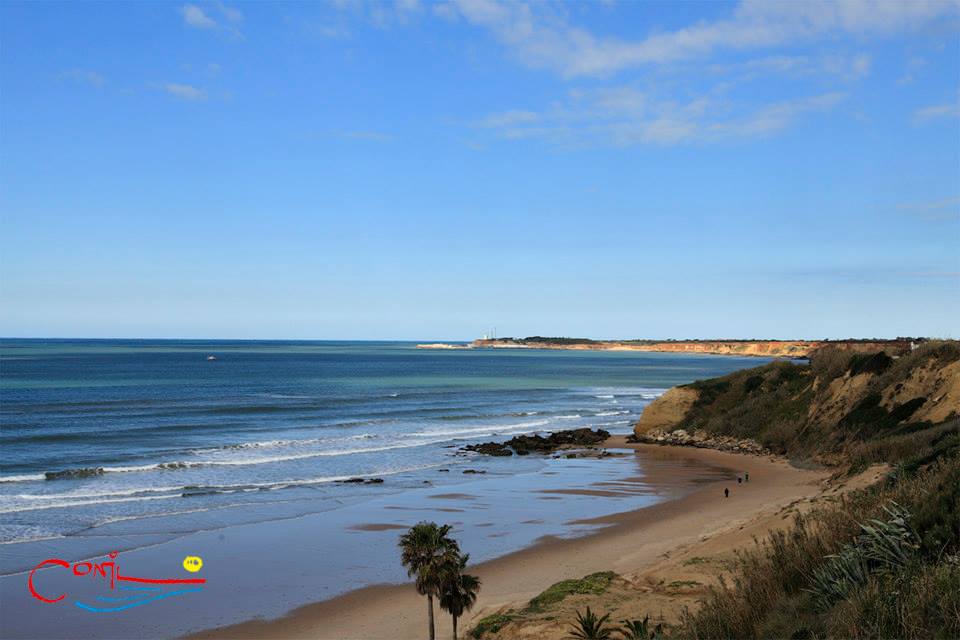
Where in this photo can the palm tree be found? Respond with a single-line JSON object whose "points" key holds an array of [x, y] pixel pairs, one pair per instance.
{"points": [[427, 551], [591, 627], [458, 590]]}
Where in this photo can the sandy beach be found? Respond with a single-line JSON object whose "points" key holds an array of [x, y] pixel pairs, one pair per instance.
{"points": [[635, 542]]}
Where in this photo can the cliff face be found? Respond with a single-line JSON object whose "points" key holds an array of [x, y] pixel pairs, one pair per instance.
{"points": [[667, 410], [842, 400], [763, 348]]}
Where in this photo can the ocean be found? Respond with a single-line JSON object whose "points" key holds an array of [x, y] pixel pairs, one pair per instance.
{"points": [[154, 451], [96, 432]]}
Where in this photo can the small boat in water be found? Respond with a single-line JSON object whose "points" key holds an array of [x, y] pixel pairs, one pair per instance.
{"points": [[211, 357]]}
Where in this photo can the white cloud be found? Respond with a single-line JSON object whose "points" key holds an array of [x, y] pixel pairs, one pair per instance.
{"points": [[226, 19], [624, 116], [508, 118], [844, 67], [366, 135], [848, 67], [229, 13], [84, 76], [184, 91], [543, 39], [382, 14], [936, 111], [933, 210], [194, 16], [774, 117]]}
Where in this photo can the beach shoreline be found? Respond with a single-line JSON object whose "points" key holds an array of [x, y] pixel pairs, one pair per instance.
{"points": [[631, 542]]}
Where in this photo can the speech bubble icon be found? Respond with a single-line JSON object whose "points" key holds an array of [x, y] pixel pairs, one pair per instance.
{"points": [[193, 563]]}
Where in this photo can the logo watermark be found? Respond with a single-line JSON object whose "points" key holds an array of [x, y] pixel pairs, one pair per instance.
{"points": [[138, 591]]}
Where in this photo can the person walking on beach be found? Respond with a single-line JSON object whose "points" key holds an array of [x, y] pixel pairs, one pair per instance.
{"points": [[739, 479], [746, 477], [726, 493]]}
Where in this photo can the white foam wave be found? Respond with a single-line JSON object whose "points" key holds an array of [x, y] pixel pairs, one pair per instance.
{"points": [[110, 497], [644, 392], [82, 503], [487, 429], [275, 444], [612, 413], [96, 494], [27, 477]]}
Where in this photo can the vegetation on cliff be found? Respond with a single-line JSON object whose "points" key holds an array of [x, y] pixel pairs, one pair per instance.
{"points": [[861, 407], [883, 563]]}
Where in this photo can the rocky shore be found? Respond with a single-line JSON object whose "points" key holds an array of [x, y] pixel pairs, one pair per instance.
{"points": [[525, 445], [700, 439]]}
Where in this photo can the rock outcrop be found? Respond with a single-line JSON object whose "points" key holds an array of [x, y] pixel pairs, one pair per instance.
{"points": [[667, 410], [525, 445], [701, 439]]}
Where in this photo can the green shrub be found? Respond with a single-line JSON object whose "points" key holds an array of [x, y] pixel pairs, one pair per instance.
{"points": [[595, 583], [827, 574], [881, 547], [492, 624]]}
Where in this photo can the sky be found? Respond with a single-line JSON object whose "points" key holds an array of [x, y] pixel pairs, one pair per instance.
{"points": [[415, 170]]}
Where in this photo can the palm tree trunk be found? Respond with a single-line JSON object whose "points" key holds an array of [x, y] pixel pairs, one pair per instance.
{"points": [[454, 627], [430, 615]]}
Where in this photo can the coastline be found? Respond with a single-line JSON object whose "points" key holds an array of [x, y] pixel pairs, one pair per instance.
{"points": [[633, 541], [742, 348]]}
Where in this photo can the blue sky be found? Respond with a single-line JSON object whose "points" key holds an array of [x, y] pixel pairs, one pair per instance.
{"points": [[424, 170]]}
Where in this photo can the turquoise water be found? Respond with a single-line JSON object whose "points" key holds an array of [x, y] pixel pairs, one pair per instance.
{"points": [[161, 430]]}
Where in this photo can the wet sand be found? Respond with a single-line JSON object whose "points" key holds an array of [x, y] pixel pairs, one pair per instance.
{"points": [[631, 541]]}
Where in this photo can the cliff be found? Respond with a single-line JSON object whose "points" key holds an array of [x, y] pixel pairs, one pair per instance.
{"points": [[869, 407], [762, 348]]}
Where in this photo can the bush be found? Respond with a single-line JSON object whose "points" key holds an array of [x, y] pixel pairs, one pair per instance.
{"points": [[882, 547], [491, 624], [776, 584], [922, 602], [595, 583]]}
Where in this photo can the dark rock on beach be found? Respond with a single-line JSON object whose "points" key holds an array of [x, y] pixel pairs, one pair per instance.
{"points": [[68, 474], [361, 481], [525, 445], [489, 449]]}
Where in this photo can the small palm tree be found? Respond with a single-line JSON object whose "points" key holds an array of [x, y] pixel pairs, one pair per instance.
{"points": [[458, 590], [589, 626], [426, 550]]}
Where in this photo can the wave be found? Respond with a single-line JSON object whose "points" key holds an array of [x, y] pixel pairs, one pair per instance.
{"points": [[82, 503], [609, 392], [611, 413], [488, 429], [185, 491], [273, 444], [87, 472], [27, 477]]}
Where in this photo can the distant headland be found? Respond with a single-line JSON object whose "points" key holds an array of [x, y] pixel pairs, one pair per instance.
{"points": [[760, 348]]}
